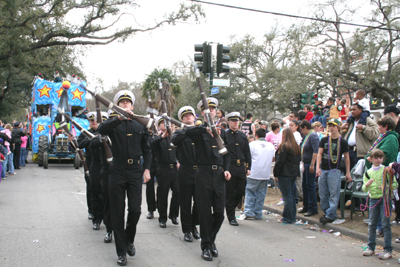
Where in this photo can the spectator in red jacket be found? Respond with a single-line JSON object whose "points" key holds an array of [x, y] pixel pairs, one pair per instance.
{"points": [[307, 109]]}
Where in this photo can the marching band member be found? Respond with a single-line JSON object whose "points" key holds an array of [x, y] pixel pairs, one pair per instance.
{"points": [[186, 175]]}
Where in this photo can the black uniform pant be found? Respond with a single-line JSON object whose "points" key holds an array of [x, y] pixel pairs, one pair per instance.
{"points": [[150, 192], [88, 190], [95, 186], [189, 214], [235, 189], [210, 197], [166, 179], [17, 155], [124, 178], [106, 200]]}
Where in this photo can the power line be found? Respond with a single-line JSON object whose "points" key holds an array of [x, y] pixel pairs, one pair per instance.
{"points": [[295, 16]]}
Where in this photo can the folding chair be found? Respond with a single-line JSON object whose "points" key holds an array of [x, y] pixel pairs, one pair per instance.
{"points": [[359, 195]]}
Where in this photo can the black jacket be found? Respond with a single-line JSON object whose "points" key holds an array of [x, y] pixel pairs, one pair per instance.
{"points": [[129, 139], [286, 164], [206, 147], [163, 151], [185, 149], [16, 135], [5, 137], [238, 147], [84, 143]]}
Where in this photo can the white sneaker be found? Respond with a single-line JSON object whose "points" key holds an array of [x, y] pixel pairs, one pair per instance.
{"points": [[397, 240], [366, 221], [280, 203], [385, 255], [338, 221], [368, 252]]}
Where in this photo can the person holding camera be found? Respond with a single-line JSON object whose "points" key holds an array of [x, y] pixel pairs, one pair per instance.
{"points": [[16, 135]]}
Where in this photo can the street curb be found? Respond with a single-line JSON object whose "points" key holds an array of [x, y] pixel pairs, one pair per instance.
{"points": [[336, 228]]}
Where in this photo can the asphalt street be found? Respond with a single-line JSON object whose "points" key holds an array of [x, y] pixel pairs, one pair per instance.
{"points": [[43, 222]]}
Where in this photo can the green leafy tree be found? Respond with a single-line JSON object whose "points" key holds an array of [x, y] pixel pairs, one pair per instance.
{"points": [[268, 76], [31, 28], [46, 61], [364, 59]]}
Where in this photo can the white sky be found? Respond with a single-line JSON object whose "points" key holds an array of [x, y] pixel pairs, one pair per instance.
{"points": [[142, 53]]}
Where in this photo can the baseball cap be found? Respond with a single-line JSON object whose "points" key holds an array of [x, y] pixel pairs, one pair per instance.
{"points": [[334, 121], [391, 108]]}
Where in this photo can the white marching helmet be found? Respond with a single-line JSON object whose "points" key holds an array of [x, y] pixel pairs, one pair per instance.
{"points": [[111, 113], [233, 116], [104, 116], [212, 102], [185, 110], [124, 94], [92, 116], [158, 120]]}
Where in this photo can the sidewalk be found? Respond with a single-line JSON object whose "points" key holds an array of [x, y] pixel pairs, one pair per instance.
{"points": [[337, 228]]}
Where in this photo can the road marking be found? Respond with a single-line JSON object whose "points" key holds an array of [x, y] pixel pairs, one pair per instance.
{"points": [[79, 193]]}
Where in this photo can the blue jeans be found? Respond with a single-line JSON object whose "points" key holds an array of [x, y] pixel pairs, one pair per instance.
{"points": [[379, 223], [329, 192], [314, 119], [256, 190], [322, 120], [376, 213], [288, 190], [23, 156], [309, 192], [10, 163]]}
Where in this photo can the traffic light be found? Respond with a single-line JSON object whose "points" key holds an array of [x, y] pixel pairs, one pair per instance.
{"points": [[303, 100], [313, 99], [221, 58], [204, 57]]}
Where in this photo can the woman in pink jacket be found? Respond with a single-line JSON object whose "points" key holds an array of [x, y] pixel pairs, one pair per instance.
{"points": [[23, 156]]}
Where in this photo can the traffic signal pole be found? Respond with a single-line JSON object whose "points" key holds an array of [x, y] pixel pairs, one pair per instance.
{"points": [[211, 79], [204, 58]]}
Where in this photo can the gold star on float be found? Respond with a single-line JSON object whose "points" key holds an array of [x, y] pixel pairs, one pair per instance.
{"points": [[40, 128], [44, 91], [59, 92], [77, 94]]}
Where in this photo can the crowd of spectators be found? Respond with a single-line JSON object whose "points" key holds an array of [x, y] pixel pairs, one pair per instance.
{"points": [[320, 145], [14, 147]]}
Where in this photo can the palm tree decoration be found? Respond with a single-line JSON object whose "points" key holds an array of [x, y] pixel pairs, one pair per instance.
{"points": [[170, 89]]}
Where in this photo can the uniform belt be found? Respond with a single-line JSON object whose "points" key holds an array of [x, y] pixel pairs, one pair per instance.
{"points": [[237, 162], [131, 161], [193, 167], [354, 148], [213, 167], [171, 166], [126, 161]]}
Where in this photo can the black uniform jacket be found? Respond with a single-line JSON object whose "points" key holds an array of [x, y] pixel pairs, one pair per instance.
{"points": [[238, 147], [164, 152], [185, 151], [129, 139], [206, 147], [84, 143]]}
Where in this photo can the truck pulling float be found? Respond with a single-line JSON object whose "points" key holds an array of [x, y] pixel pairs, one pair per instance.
{"points": [[44, 122]]}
